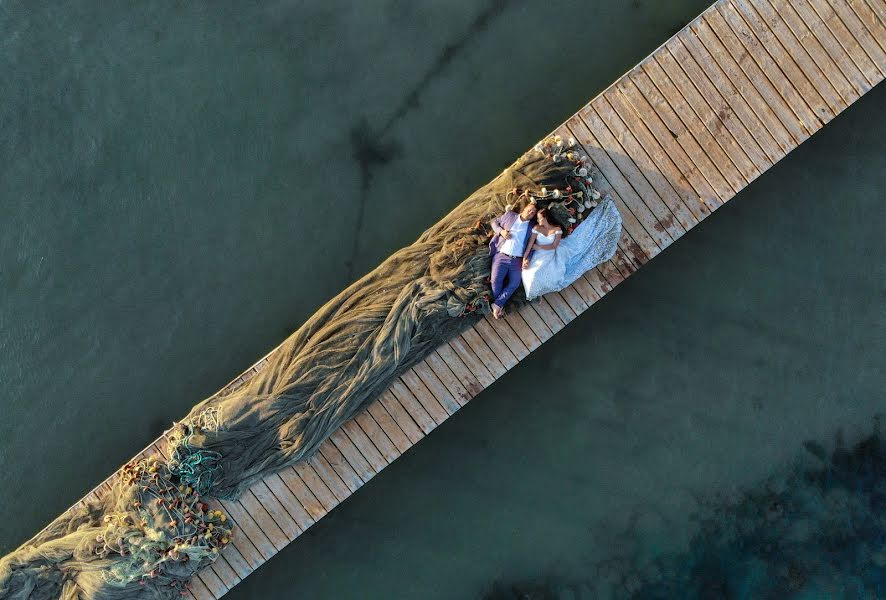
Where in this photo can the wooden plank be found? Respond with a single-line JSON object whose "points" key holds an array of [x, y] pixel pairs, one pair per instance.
{"points": [[393, 430], [328, 475], [305, 496], [248, 527], [634, 229], [686, 210], [712, 193], [365, 445], [832, 20], [380, 439], [850, 84], [653, 215], [461, 389], [627, 260], [874, 25], [801, 96], [717, 63], [290, 502], [735, 167], [318, 487], [547, 314], [621, 117], [586, 290], [265, 521], [561, 307], [340, 465], [575, 301], [725, 181], [457, 353], [538, 326], [274, 506], [399, 414], [600, 281], [719, 124], [508, 335], [235, 559], [423, 395], [199, 590], [213, 582], [484, 353], [868, 42], [518, 325], [621, 174], [485, 331], [242, 543], [352, 455], [224, 571], [437, 387], [630, 249], [805, 13], [415, 409], [766, 22]]}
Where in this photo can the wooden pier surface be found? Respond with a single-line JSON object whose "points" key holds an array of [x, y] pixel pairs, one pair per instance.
{"points": [[680, 134]]}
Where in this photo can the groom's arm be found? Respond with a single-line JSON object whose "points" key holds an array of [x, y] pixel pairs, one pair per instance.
{"points": [[529, 247], [497, 226]]}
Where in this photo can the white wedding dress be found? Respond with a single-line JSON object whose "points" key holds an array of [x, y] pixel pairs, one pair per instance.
{"points": [[592, 242]]}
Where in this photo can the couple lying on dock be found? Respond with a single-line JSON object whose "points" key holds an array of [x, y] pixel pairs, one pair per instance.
{"points": [[530, 248]]}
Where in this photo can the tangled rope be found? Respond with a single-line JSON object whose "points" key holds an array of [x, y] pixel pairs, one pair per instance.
{"points": [[151, 531]]}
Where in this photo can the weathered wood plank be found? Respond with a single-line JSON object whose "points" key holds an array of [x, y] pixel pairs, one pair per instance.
{"points": [[457, 383], [328, 475], [718, 65], [415, 409], [379, 437], [365, 445], [318, 487], [694, 122], [305, 496], [340, 465], [391, 428], [828, 40], [852, 21], [768, 26], [290, 501], [803, 97], [401, 417], [430, 379], [421, 392], [825, 12]]}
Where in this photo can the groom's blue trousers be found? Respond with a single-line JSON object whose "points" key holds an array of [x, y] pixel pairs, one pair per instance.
{"points": [[505, 277]]}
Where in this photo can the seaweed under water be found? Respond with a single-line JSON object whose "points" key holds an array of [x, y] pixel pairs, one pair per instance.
{"points": [[817, 530]]}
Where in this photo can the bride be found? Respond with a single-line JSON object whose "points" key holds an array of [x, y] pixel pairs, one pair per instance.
{"points": [[552, 262]]}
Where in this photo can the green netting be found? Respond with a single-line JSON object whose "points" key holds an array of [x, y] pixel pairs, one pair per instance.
{"points": [[140, 542]]}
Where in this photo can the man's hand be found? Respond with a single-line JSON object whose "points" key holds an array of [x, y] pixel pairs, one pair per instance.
{"points": [[506, 234]]}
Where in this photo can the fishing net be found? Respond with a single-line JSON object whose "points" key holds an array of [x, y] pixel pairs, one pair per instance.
{"points": [[151, 531]]}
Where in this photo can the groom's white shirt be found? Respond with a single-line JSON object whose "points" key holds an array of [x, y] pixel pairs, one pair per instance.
{"points": [[514, 245]]}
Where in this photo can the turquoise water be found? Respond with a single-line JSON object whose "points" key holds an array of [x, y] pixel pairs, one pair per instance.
{"points": [[181, 187]]}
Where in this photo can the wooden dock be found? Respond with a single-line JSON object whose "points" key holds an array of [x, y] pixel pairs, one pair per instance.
{"points": [[680, 134]]}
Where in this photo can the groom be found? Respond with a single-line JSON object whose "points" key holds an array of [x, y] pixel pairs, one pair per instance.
{"points": [[512, 233]]}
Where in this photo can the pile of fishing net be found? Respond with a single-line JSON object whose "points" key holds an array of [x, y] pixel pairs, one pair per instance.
{"points": [[151, 531]]}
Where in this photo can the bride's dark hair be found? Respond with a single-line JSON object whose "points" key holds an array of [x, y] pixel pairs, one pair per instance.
{"points": [[549, 218]]}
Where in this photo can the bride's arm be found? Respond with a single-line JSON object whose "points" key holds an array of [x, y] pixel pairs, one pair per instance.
{"points": [[529, 248]]}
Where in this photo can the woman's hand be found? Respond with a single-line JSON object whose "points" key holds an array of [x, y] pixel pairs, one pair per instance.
{"points": [[505, 234], [525, 263]]}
